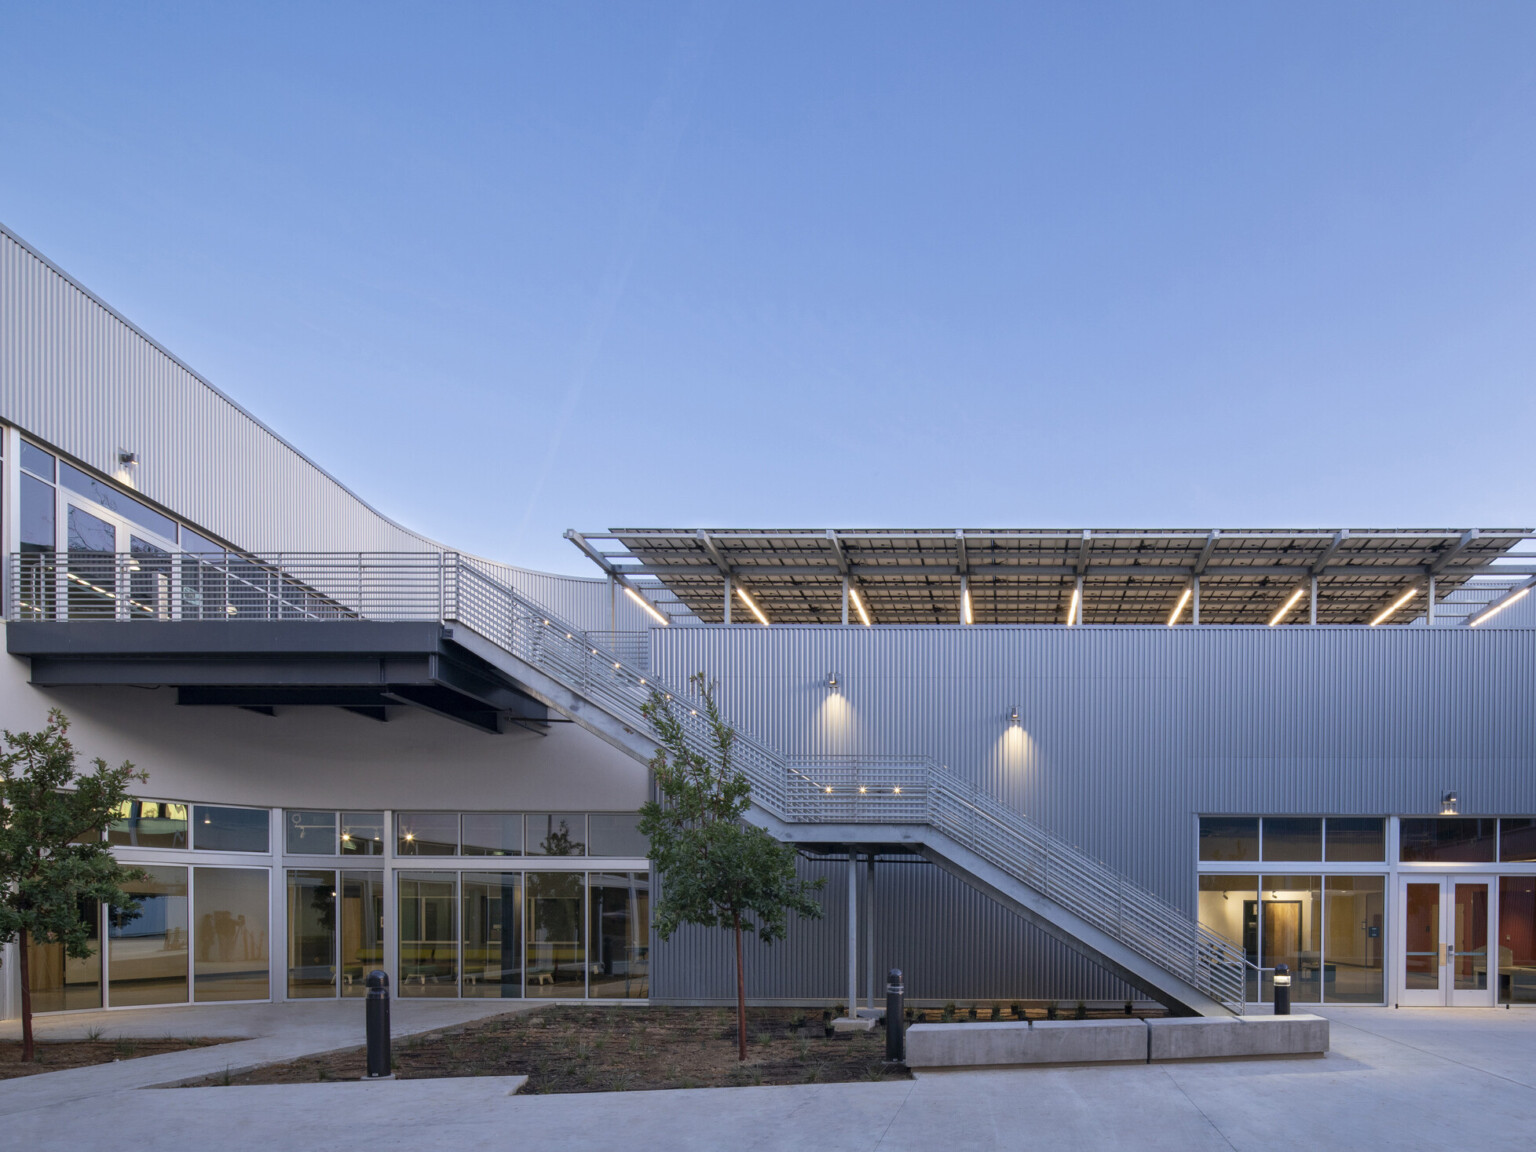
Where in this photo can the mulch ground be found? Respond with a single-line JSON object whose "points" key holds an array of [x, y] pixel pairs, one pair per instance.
{"points": [[55, 1055], [583, 1049]]}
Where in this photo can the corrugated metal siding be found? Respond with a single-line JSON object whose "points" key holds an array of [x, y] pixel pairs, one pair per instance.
{"points": [[951, 942], [1126, 734]]}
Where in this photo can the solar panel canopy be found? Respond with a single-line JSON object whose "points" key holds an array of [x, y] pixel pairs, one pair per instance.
{"points": [[1051, 576]]}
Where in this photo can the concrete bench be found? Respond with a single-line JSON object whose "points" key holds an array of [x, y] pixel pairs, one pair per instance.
{"points": [[1045, 1042], [1203, 1038]]}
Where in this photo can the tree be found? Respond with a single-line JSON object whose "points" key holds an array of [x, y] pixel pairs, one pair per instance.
{"points": [[52, 854], [715, 870]]}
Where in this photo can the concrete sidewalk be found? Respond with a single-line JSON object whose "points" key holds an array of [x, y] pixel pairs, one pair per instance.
{"points": [[261, 1034], [1410, 1078]]}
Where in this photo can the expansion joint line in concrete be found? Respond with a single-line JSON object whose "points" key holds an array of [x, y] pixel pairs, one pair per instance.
{"points": [[884, 1132], [1168, 1072]]}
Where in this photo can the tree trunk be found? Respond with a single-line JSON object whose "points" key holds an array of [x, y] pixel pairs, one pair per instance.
{"points": [[27, 1053], [741, 994]]}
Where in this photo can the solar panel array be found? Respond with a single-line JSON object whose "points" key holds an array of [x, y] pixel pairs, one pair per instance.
{"points": [[797, 576]]}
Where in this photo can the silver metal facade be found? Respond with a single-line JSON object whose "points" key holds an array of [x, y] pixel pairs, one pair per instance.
{"points": [[1125, 736]]}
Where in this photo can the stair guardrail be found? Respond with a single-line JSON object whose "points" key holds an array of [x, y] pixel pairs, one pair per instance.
{"points": [[453, 589]]}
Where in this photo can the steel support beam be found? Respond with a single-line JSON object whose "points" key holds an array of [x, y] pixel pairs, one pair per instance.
{"points": [[853, 932]]}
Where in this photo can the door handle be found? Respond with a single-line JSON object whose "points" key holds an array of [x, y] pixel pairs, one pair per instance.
{"points": [[1446, 953]]}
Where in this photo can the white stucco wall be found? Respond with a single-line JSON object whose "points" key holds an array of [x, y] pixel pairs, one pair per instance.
{"points": [[325, 757]]}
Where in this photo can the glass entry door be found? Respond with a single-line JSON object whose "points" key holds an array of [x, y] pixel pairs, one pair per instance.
{"points": [[1447, 922]]}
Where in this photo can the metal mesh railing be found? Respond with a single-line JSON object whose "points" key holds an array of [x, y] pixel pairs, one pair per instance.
{"points": [[610, 671]]}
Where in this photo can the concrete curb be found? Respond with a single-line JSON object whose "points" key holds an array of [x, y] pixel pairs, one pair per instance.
{"points": [[1114, 1041]]}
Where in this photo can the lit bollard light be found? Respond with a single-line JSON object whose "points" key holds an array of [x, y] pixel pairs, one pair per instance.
{"points": [[895, 1018], [1282, 989], [376, 1012]]}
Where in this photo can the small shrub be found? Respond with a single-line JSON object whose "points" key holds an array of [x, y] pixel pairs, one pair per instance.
{"points": [[997, 1013], [1082, 1011], [94, 1034], [947, 1013], [971, 1012], [1050, 1011], [1017, 1010]]}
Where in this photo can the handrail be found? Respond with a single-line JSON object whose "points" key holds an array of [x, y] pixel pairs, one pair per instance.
{"points": [[452, 589]]}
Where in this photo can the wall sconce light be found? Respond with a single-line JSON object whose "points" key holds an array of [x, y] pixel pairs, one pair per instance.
{"points": [[127, 459], [1450, 804], [832, 681], [1013, 714]]}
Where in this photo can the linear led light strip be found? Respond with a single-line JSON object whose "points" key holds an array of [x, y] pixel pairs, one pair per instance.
{"points": [[1178, 609], [1394, 606], [1072, 607], [750, 603], [966, 615], [647, 605], [1490, 613], [1285, 609], [858, 605]]}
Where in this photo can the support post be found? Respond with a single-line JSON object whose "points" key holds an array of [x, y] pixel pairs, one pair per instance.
{"points": [[853, 932], [1429, 611], [869, 931], [1079, 618], [845, 599], [1312, 602], [727, 599], [1196, 602]]}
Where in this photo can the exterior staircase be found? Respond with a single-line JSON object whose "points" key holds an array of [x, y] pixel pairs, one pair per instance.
{"points": [[906, 804]]}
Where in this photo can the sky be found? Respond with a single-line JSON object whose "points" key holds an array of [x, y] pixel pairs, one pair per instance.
{"points": [[509, 269]]}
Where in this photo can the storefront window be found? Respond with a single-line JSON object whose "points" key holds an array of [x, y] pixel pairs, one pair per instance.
{"points": [[311, 934], [1357, 839], [362, 929], [1229, 907], [493, 833], [556, 958], [147, 949], [427, 834], [1293, 838], [557, 834], [362, 833], [149, 824], [1517, 940], [229, 829], [1291, 933], [1447, 840], [60, 982], [429, 934], [230, 957], [1353, 955], [620, 935], [493, 948]]}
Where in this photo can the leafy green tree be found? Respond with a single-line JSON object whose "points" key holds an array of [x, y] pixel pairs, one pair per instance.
{"points": [[52, 856], [715, 870]]}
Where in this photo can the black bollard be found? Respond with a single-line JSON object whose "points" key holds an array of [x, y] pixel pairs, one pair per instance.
{"points": [[1282, 989], [376, 1010], [895, 1018]]}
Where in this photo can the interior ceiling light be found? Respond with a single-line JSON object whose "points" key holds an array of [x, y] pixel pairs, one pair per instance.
{"points": [[647, 605], [1394, 606], [1178, 609], [1499, 607], [858, 605], [1285, 609], [748, 601], [1072, 607]]}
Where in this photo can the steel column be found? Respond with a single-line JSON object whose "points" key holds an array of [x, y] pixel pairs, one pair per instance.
{"points": [[853, 932], [869, 930], [1312, 602], [727, 599], [1196, 598], [845, 599], [1429, 611]]}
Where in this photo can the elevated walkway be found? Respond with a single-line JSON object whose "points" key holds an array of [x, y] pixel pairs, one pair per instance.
{"points": [[908, 805]]}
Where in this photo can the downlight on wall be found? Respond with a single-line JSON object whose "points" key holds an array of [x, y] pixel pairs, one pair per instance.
{"points": [[1450, 804]]}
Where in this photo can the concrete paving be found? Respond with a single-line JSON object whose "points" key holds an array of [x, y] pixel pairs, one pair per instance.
{"points": [[1396, 1078], [260, 1034]]}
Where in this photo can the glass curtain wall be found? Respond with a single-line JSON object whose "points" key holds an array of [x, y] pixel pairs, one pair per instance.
{"points": [[1291, 933], [147, 949], [311, 933], [362, 929]]}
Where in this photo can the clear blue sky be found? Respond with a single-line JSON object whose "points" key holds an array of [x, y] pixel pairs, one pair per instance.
{"points": [[514, 268]]}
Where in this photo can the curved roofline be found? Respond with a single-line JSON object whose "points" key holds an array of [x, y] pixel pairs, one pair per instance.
{"points": [[74, 283]]}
